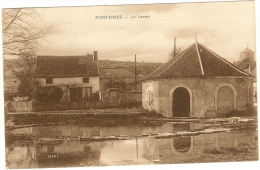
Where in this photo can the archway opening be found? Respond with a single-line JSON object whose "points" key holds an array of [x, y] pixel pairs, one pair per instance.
{"points": [[225, 99], [181, 102]]}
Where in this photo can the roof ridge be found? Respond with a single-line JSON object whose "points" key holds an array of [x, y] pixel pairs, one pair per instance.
{"points": [[224, 60], [201, 66], [247, 50], [176, 59]]}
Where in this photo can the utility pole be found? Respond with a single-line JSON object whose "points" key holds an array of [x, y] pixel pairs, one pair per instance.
{"points": [[174, 49], [143, 69], [135, 69]]}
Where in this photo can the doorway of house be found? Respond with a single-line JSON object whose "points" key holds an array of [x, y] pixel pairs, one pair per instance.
{"points": [[75, 94], [181, 102]]}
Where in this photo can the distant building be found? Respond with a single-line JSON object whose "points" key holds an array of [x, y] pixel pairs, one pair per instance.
{"points": [[197, 83], [247, 54], [77, 76], [247, 63]]}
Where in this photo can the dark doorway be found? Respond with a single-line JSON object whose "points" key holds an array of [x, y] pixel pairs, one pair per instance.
{"points": [[181, 103], [75, 94]]}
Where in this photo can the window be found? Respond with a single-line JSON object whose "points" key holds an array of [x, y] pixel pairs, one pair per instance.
{"points": [[85, 80], [49, 80], [149, 97]]}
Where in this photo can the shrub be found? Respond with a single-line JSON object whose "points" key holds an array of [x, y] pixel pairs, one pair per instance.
{"points": [[51, 94]]}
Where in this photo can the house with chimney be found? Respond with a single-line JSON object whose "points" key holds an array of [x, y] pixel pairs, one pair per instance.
{"points": [[197, 83], [77, 76]]}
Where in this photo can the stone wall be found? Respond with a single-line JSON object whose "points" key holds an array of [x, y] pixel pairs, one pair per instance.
{"points": [[109, 99], [125, 99], [203, 94]]}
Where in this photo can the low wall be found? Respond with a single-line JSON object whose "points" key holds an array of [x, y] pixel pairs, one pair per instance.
{"points": [[112, 98], [38, 106], [125, 99], [18, 106], [109, 99], [130, 99]]}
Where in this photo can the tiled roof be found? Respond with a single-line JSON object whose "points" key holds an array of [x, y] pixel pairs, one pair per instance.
{"points": [[67, 66], [243, 64], [196, 60], [247, 50]]}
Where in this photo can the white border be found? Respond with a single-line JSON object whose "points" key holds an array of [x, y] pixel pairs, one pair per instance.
{"points": [[48, 3]]}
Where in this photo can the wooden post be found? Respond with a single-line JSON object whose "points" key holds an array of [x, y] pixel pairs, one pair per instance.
{"points": [[143, 69], [174, 50], [135, 69]]}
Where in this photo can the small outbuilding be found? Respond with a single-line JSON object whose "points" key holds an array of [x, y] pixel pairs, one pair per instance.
{"points": [[197, 83]]}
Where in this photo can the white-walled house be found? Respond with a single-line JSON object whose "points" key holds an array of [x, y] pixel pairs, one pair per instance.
{"points": [[77, 76]]}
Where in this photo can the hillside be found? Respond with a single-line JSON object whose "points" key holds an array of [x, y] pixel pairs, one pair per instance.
{"points": [[141, 68]]}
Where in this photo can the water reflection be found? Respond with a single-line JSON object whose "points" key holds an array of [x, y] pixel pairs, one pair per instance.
{"points": [[21, 155], [139, 150], [182, 144], [74, 130]]}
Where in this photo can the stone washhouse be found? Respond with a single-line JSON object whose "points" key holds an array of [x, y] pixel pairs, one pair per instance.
{"points": [[197, 83]]}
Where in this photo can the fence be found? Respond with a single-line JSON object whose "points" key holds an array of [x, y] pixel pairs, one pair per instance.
{"points": [[19, 106], [108, 99]]}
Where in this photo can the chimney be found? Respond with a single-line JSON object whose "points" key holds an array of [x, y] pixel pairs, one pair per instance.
{"points": [[95, 56]]}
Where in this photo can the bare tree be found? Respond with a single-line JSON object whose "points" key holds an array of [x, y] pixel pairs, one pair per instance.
{"points": [[173, 54], [20, 40]]}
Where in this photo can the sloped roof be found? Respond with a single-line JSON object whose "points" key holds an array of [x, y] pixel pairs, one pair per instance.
{"points": [[243, 64], [66, 66], [196, 60], [247, 50]]}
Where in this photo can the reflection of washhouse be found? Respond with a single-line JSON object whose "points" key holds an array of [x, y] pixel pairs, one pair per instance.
{"points": [[190, 147], [68, 153], [177, 147], [182, 144]]}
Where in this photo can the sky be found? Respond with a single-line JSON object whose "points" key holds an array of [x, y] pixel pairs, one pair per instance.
{"points": [[227, 28], [224, 27]]}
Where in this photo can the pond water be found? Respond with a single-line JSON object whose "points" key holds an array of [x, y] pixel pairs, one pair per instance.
{"points": [[138, 150]]}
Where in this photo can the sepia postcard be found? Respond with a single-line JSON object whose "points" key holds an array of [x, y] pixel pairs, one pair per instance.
{"points": [[130, 85]]}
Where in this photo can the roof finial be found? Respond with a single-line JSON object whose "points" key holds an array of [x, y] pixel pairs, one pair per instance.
{"points": [[195, 37]]}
